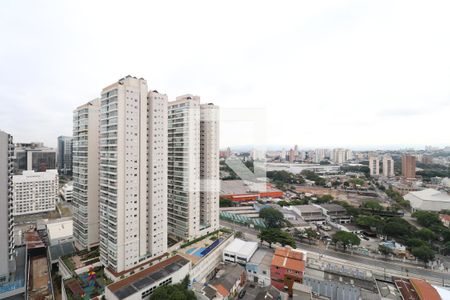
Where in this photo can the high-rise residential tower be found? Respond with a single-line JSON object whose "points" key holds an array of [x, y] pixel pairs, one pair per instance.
{"points": [[64, 158], [388, 166], [132, 179], [86, 174], [6, 205], [374, 165], [409, 166], [193, 173], [209, 167]]}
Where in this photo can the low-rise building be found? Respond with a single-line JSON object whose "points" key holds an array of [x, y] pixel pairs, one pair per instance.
{"points": [[228, 281], [335, 213], [242, 191], [239, 251], [288, 266], [429, 200], [35, 192], [258, 268], [445, 219], [309, 213], [66, 192], [142, 284], [60, 232]]}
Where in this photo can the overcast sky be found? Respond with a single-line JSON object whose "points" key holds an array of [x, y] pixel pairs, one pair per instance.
{"points": [[319, 73]]}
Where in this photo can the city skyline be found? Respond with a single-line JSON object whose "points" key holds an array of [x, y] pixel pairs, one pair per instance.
{"points": [[325, 75]]}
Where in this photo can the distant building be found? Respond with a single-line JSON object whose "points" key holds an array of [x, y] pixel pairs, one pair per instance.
{"points": [[374, 165], [288, 266], [388, 166], [35, 192], [242, 191], [64, 155], [309, 213], [292, 155], [409, 166], [429, 200], [34, 156], [319, 155], [335, 213]]}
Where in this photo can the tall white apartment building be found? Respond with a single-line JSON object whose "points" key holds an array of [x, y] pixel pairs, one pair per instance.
{"points": [[35, 192], [388, 166], [193, 173], [319, 155], [132, 174], [374, 165], [6, 206], [86, 174], [209, 167]]}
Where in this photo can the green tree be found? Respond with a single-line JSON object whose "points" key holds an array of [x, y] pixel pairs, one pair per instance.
{"points": [[275, 235], [426, 218], [372, 204], [370, 222], [345, 239], [398, 228], [173, 292], [311, 234], [273, 217], [415, 242], [423, 253], [426, 234], [238, 234], [446, 248], [225, 202], [324, 199]]}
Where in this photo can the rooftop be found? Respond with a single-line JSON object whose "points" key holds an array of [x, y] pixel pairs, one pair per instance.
{"points": [[289, 258], [138, 281], [58, 230], [227, 276], [431, 195], [242, 247], [307, 208], [424, 289], [333, 207], [262, 257]]}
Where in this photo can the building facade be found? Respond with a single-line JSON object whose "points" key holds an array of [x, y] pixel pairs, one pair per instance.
{"points": [[132, 216], [35, 192], [34, 156], [409, 166], [193, 168], [85, 193], [374, 165], [6, 204], [388, 166], [64, 158]]}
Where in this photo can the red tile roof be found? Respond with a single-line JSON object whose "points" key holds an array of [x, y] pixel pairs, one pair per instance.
{"points": [[289, 259], [424, 289], [222, 290]]}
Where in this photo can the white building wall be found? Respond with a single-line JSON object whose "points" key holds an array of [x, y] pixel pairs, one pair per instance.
{"points": [[35, 192], [132, 174], [86, 174], [209, 168]]}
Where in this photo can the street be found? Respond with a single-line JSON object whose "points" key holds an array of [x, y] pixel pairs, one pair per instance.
{"points": [[376, 266]]}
